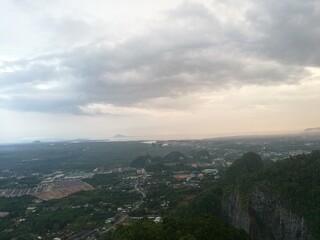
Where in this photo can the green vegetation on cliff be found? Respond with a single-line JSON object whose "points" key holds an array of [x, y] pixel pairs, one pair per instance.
{"points": [[197, 228], [248, 163], [296, 180]]}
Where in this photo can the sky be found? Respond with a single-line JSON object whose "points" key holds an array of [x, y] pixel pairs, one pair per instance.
{"points": [[178, 68]]}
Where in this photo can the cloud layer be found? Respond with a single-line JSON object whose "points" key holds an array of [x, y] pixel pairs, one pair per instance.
{"points": [[187, 50]]}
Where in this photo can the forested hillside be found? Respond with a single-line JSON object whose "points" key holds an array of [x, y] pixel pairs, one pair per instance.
{"points": [[197, 228], [290, 186]]}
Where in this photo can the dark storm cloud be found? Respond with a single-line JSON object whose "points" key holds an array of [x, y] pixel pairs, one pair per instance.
{"points": [[191, 51], [289, 30], [44, 105]]}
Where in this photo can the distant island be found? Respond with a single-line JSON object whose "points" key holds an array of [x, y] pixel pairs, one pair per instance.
{"points": [[119, 136], [312, 129]]}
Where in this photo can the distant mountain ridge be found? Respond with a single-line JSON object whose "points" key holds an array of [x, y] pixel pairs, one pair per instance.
{"points": [[312, 129], [172, 157]]}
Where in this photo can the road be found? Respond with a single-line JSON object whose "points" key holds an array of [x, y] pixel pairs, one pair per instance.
{"points": [[124, 216]]}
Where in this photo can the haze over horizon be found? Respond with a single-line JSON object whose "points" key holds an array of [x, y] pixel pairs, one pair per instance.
{"points": [[94, 69]]}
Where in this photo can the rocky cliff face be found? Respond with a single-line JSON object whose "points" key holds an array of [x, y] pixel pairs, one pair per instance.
{"points": [[263, 216]]}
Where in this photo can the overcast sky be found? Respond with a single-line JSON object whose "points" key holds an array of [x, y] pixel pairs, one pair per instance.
{"points": [[95, 68]]}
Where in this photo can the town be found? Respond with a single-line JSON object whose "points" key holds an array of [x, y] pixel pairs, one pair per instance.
{"points": [[90, 201]]}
